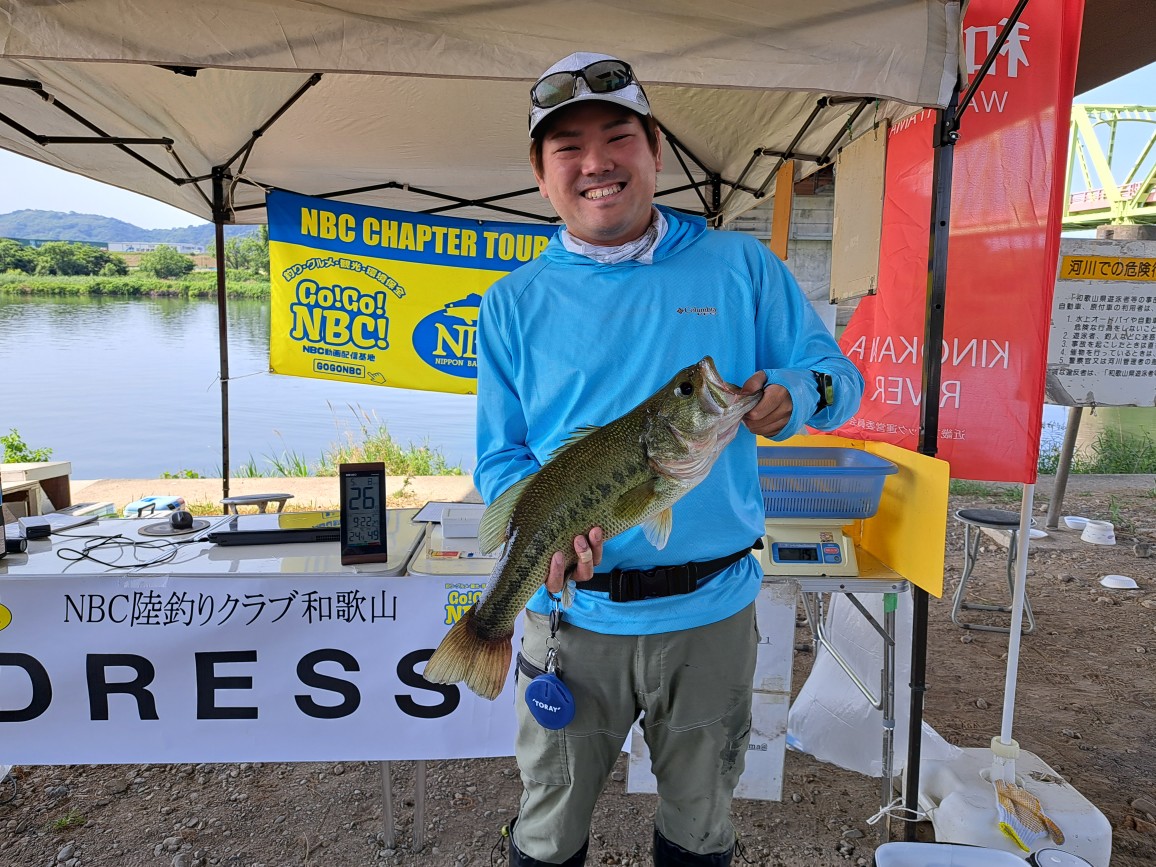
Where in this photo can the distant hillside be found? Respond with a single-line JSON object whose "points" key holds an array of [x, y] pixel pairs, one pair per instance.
{"points": [[59, 226]]}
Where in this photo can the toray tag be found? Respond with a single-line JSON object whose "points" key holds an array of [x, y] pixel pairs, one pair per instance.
{"points": [[549, 701]]}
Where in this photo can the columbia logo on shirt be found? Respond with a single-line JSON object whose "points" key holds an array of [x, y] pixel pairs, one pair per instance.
{"points": [[698, 311]]}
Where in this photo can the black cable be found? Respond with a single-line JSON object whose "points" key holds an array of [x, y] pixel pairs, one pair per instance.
{"points": [[119, 543], [499, 849], [169, 548]]}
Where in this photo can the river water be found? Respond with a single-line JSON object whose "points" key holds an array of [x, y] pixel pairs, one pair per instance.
{"points": [[128, 389]]}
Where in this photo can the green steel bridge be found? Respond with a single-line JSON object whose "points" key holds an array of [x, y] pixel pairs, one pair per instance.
{"points": [[1103, 139]]}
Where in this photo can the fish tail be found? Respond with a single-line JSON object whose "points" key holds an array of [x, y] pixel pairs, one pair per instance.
{"points": [[464, 656]]}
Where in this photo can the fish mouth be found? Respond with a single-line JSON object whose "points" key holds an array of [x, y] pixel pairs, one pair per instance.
{"points": [[724, 406], [728, 401], [723, 396]]}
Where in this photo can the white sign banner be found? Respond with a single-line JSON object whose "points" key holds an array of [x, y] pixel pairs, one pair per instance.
{"points": [[113, 669], [1102, 348]]}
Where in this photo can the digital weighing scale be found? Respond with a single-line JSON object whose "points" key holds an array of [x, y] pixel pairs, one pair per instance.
{"points": [[810, 494], [808, 546]]}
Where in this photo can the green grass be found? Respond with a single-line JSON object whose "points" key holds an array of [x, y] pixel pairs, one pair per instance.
{"points": [[249, 470], [1116, 515], [373, 442], [68, 820], [290, 463], [285, 464], [182, 474], [1111, 453], [965, 488], [199, 284], [370, 442]]}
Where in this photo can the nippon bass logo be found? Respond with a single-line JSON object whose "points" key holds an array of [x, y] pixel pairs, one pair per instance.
{"points": [[446, 339]]}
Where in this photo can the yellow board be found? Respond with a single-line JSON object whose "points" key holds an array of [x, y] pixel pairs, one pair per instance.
{"points": [[1107, 268], [908, 531], [382, 297]]}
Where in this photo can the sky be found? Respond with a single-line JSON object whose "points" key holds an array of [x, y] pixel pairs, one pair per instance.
{"points": [[29, 184]]}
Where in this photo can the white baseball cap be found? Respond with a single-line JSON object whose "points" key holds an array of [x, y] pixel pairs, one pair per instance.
{"points": [[582, 76]]}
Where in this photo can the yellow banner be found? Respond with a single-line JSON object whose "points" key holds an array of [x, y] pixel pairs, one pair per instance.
{"points": [[1107, 268], [383, 297]]}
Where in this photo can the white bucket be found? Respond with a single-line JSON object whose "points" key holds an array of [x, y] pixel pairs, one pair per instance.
{"points": [[1056, 858], [942, 855], [1099, 533]]}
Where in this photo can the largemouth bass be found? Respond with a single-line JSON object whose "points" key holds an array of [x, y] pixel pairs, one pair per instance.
{"points": [[622, 475]]}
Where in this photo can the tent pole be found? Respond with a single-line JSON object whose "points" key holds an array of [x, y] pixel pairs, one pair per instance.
{"points": [[946, 135], [942, 163], [219, 216]]}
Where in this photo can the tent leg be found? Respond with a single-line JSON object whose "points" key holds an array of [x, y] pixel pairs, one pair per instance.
{"points": [[942, 165], [219, 214], [946, 135]]}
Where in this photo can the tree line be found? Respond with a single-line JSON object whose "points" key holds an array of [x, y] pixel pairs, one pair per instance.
{"points": [[68, 258]]}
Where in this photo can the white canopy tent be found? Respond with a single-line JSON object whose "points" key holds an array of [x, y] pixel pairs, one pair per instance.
{"points": [[394, 98]]}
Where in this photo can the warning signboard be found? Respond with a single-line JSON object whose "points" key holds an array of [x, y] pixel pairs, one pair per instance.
{"points": [[1102, 347]]}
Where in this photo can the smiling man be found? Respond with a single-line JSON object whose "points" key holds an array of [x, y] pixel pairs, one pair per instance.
{"points": [[597, 163], [625, 294]]}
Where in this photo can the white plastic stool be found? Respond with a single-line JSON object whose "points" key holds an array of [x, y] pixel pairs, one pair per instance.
{"points": [[261, 501]]}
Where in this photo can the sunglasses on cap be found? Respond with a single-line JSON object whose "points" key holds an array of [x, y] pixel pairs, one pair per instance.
{"points": [[602, 76]]}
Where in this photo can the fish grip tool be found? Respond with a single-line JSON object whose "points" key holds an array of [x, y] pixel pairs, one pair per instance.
{"points": [[549, 700]]}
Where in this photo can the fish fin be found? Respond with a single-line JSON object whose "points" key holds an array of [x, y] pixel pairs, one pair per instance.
{"points": [[633, 504], [573, 437], [637, 502], [464, 656], [657, 529], [568, 592], [493, 530]]}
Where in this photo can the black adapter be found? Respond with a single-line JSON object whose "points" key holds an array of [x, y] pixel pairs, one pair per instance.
{"points": [[14, 541], [36, 527]]}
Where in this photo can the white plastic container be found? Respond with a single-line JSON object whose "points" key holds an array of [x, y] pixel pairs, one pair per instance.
{"points": [[1056, 858], [942, 855], [1099, 533], [462, 520], [158, 505], [1119, 582], [961, 804]]}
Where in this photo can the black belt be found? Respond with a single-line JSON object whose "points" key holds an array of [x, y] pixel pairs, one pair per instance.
{"points": [[631, 585]]}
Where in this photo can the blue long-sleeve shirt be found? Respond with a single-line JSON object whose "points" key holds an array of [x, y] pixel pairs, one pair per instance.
{"points": [[565, 342]]}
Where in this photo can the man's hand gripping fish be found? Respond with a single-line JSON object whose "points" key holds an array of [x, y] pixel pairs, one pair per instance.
{"points": [[626, 473]]}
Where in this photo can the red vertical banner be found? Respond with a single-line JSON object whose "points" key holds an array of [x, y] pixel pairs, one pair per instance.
{"points": [[1006, 207]]}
